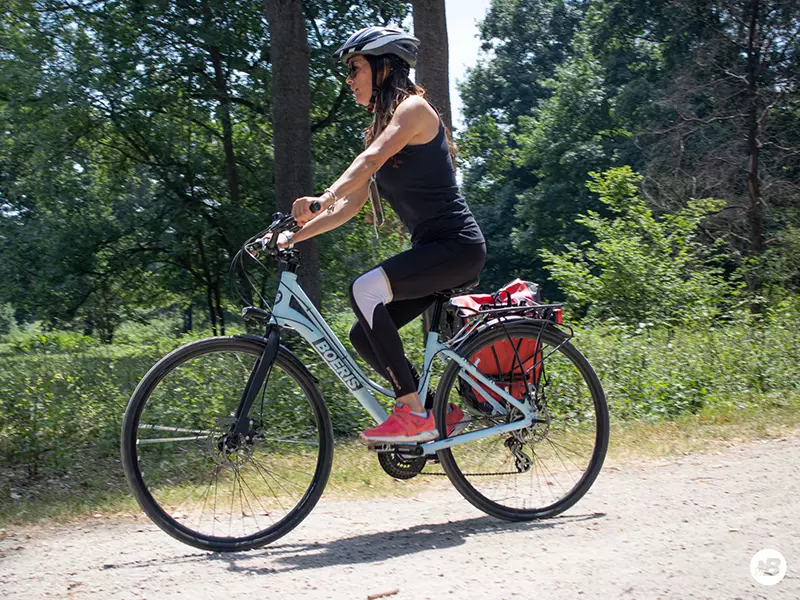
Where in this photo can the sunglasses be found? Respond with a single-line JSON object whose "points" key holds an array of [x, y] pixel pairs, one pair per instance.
{"points": [[352, 68]]}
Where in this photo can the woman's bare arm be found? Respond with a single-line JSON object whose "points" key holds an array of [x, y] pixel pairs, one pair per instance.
{"points": [[344, 210], [413, 120]]}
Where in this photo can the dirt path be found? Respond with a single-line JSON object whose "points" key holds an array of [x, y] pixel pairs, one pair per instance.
{"points": [[668, 529]]}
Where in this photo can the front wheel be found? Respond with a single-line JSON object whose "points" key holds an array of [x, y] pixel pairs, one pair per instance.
{"points": [[542, 470], [199, 484]]}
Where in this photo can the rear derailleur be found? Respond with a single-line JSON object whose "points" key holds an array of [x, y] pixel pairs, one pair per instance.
{"points": [[521, 460]]}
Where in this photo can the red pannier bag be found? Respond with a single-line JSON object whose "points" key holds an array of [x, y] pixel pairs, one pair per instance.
{"points": [[498, 362]]}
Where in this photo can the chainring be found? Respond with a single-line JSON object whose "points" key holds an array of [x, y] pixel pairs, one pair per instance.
{"points": [[401, 467]]}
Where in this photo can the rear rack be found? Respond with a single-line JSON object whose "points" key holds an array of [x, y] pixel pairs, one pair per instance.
{"points": [[546, 312], [474, 319]]}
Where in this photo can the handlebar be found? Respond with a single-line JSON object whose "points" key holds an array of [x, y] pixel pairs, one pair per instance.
{"points": [[280, 223]]}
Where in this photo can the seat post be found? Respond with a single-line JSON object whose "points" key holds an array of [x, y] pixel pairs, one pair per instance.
{"points": [[437, 313], [444, 296]]}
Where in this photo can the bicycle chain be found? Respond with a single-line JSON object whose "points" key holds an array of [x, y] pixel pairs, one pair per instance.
{"points": [[471, 474], [493, 474]]}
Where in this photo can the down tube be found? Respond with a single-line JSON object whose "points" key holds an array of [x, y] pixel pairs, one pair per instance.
{"points": [[327, 345]]}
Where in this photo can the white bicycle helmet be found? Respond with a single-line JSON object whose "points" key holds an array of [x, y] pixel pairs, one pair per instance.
{"points": [[376, 41]]}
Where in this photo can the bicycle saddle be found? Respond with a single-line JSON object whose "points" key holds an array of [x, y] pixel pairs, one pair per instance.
{"points": [[464, 288]]}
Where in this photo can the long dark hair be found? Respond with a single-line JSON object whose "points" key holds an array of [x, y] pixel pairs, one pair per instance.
{"points": [[391, 85]]}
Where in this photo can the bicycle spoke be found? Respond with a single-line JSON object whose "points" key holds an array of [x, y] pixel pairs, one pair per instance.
{"points": [[214, 516], [274, 495], [216, 484], [532, 469], [256, 498]]}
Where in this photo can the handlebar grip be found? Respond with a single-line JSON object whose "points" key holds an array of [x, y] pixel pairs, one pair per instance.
{"points": [[315, 206]]}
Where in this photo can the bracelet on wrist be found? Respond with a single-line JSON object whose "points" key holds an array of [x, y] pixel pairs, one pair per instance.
{"points": [[334, 197]]}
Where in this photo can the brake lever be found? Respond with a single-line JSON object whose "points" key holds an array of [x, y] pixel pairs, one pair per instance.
{"points": [[280, 223]]}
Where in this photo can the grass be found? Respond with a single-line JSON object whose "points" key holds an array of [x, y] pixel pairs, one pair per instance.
{"points": [[705, 432], [96, 486]]}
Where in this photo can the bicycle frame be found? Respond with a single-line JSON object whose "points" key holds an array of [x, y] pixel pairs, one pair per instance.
{"points": [[312, 327]]}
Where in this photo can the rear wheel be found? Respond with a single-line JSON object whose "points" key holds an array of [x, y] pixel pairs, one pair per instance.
{"points": [[199, 484], [542, 470]]}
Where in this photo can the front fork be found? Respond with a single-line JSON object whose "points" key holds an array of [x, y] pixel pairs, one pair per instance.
{"points": [[262, 366]]}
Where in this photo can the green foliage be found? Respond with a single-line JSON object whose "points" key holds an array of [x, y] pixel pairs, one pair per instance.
{"points": [[655, 85], [8, 323], [50, 341], [780, 264], [568, 136], [639, 268], [655, 373], [58, 407], [147, 332], [524, 40], [63, 392], [136, 140]]}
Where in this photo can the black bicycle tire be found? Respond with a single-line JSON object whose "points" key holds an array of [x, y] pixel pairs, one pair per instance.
{"points": [[552, 336], [294, 368]]}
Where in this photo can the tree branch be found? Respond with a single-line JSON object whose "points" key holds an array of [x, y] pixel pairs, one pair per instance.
{"points": [[256, 108], [331, 116]]}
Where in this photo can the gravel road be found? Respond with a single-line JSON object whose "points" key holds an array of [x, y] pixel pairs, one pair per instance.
{"points": [[672, 528]]}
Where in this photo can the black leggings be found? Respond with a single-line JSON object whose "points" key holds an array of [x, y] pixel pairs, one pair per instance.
{"points": [[413, 277]]}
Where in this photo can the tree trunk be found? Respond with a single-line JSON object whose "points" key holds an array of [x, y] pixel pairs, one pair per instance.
{"points": [[221, 86], [212, 313], [291, 121], [432, 72], [756, 212], [187, 319]]}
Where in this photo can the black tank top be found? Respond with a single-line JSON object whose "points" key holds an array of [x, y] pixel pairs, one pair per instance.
{"points": [[420, 184]]}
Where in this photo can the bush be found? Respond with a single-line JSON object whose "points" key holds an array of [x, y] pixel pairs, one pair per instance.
{"points": [[34, 339], [655, 373], [147, 333], [55, 405], [639, 268], [8, 324]]}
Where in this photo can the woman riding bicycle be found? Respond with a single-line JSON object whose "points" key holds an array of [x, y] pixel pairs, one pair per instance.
{"points": [[408, 151]]}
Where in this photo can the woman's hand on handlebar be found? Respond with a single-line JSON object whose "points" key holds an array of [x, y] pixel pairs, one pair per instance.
{"points": [[261, 243], [304, 208]]}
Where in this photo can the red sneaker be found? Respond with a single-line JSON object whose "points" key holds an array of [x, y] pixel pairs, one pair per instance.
{"points": [[456, 421], [402, 427]]}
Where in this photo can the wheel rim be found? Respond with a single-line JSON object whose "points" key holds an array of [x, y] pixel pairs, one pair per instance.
{"points": [[201, 479], [545, 468]]}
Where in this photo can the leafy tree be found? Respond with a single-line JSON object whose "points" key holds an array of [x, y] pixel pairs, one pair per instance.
{"points": [[639, 268], [524, 42], [698, 96], [569, 135], [708, 89], [136, 151]]}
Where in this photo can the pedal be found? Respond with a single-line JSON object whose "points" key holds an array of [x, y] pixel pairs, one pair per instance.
{"points": [[379, 447], [402, 449]]}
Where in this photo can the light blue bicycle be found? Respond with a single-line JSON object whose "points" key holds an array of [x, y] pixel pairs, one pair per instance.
{"points": [[227, 442]]}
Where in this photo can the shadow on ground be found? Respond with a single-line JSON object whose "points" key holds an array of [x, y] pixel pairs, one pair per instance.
{"points": [[359, 549]]}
